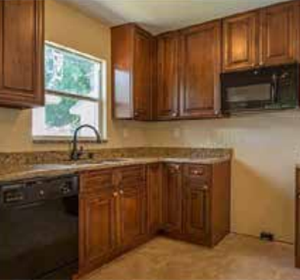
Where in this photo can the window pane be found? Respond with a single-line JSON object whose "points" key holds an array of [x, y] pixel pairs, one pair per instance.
{"points": [[62, 115], [71, 73]]}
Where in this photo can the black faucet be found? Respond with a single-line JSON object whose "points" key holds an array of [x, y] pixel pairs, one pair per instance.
{"points": [[75, 154]]}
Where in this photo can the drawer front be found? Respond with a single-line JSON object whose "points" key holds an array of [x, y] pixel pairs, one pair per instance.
{"points": [[133, 176], [96, 180], [196, 172]]}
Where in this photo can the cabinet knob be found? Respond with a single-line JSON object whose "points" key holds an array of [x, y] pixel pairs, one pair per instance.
{"points": [[174, 114], [197, 172], [205, 188], [121, 192], [115, 194], [136, 114]]}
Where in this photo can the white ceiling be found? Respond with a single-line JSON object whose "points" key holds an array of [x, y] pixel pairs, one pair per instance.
{"points": [[161, 15]]}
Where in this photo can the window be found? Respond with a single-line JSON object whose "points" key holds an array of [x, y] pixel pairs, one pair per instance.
{"points": [[75, 87]]}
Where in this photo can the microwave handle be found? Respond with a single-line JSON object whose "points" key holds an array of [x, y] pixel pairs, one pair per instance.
{"points": [[274, 89]]}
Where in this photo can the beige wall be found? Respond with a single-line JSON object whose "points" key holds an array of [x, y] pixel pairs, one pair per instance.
{"points": [[266, 146], [69, 27]]}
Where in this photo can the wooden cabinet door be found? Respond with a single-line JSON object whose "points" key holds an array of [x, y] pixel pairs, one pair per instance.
{"points": [[132, 213], [280, 34], [142, 75], [167, 99], [97, 227], [200, 75], [240, 42], [172, 198], [22, 55], [196, 211], [154, 197]]}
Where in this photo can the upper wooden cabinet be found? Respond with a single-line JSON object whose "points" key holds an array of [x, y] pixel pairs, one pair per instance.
{"points": [[132, 72], [280, 34], [167, 100], [240, 41], [200, 70], [265, 37], [21, 53]]}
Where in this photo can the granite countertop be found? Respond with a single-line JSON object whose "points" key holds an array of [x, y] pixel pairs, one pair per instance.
{"points": [[22, 172]]}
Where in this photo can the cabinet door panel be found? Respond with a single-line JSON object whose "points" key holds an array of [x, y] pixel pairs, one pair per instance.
{"points": [[297, 246], [132, 215], [196, 208], [142, 75], [167, 76], [240, 42], [280, 34], [200, 86], [154, 197], [22, 55], [98, 227], [172, 198]]}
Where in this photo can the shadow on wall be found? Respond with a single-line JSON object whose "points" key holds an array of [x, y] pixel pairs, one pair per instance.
{"points": [[260, 204]]}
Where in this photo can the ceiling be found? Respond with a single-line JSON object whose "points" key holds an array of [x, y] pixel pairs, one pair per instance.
{"points": [[158, 16]]}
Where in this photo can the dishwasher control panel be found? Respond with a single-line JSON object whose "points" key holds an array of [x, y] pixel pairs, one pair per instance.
{"points": [[35, 190]]}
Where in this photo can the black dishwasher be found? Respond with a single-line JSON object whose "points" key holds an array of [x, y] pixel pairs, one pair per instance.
{"points": [[39, 229]]}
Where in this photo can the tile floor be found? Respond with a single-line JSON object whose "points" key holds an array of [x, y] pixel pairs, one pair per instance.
{"points": [[236, 258]]}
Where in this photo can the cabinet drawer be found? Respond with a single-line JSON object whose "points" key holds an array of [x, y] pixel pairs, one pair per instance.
{"points": [[132, 176], [96, 180], [197, 172]]}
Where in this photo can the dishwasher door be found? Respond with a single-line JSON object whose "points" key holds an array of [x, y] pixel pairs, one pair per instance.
{"points": [[39, 238]]}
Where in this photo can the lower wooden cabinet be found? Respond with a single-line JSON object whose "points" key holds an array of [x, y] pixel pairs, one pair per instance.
{"points": [[172, 201], [98, 233], [122, 208], [154, 197]]}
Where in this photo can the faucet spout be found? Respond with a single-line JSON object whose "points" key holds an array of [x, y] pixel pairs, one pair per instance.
{"points": [[75, 154]]}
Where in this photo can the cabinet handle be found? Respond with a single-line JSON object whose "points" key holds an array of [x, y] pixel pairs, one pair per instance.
{"points": [[197, 172], [115, 194], [136, 114], [205, 188]]}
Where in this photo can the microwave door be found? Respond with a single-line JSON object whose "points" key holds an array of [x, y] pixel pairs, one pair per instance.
{"points": [[256, 96]]}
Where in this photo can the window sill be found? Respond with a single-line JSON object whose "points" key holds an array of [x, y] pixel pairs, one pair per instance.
{"points": [[66, 141]]}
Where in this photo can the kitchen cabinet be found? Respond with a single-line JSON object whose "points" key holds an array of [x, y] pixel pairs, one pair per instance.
{"points": [[240, 41], [99, 216], [200, 70], [132, 209], [132, 72], [22, 53], [123, 207], [197, 202], [154, 197], [196, 187], [167, 96], [112, 214], [297, 224], [280, 34], [264, 37], [172, 198]]}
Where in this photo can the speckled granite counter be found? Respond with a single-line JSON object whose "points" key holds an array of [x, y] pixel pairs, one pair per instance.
{"points": [[19, 166]]}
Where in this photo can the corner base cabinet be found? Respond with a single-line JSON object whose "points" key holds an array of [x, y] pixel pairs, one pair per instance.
{"points": [[123, 207], [197, 202]]}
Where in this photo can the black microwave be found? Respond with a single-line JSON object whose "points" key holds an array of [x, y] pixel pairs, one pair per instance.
{"points": [[266, 88]]}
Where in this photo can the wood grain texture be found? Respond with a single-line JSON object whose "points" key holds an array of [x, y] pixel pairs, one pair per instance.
{"points": [[280, 34], [240, 41], [200, 71], [154, 198], [172, 198], [22, 53], [167, 76]]}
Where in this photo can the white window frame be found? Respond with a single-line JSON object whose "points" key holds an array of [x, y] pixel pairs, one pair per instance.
{"points": [[102, 99]]}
